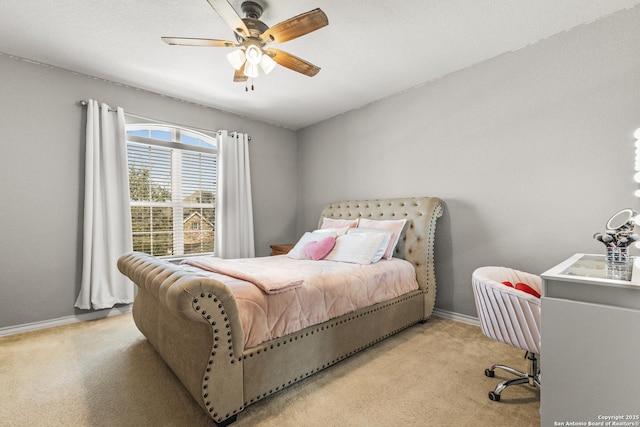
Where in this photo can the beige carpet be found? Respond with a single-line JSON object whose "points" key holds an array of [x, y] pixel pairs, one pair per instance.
{"points": [[104, 373]]}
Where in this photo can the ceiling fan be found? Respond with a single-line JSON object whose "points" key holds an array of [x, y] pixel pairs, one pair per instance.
{"points": [[253, 36]]}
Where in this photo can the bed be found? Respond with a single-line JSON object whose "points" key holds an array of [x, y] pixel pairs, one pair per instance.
{"points": [[193, 321]]}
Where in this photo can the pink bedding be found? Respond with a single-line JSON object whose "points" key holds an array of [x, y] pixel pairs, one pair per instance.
{"points": [[329, 289]]}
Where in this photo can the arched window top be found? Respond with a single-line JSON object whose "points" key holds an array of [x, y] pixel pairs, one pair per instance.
{"points": [[161, 134]]}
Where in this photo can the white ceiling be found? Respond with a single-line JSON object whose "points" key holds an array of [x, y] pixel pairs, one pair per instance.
{"points": [[370, 50]]}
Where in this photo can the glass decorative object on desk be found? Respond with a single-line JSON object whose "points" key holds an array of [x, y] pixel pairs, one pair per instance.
{"points": [[617, 238], [618, 263]]}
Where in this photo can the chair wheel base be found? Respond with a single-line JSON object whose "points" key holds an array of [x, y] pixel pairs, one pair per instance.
{"points": [[494, 397], [489, 373]]}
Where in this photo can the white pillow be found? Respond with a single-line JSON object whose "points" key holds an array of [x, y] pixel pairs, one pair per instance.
{"points": [[297, 252], [388, 235], [393, 225], [359, 247]]}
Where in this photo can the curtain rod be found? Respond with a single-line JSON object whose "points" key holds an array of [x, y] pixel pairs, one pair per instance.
{"points": [[84, 103]]}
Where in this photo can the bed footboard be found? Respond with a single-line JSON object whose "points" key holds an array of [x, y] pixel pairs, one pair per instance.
{"points": [[192, 322]]}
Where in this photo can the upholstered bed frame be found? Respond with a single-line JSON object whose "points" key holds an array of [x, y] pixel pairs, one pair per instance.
{"points": [[193, 322]]}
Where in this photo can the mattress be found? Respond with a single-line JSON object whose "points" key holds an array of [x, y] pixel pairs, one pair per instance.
{"points": [[330, 289]]}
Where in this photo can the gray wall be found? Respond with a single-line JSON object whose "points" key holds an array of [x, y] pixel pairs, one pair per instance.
{"points": [[41, 171], [531, 151]]}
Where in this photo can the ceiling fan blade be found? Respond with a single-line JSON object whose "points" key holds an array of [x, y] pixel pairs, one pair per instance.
{"points": [[230, 16], [296, 27], [183, 41], [293, 62], [239, 76]]}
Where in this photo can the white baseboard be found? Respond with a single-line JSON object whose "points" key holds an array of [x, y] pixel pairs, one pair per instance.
{"points": [[456, 316], [84, 317], [100, 314]]}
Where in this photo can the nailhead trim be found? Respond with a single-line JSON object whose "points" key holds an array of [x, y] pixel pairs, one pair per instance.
{"points": [[212, 303], [284, 341]]}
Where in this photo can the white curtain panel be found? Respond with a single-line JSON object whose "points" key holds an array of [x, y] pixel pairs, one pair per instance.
{"points": [[107, 216], [234, 209]]}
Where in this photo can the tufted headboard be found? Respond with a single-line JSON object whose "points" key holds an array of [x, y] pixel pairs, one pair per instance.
{"points": [[416, 243]]}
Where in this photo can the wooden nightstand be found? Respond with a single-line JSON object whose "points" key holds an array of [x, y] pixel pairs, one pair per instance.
{"points": [[282, 249]]}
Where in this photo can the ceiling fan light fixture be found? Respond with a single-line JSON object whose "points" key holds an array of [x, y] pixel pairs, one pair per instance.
{"points": [[267, 64], [236, 58], [253, 54], [251, 70]]}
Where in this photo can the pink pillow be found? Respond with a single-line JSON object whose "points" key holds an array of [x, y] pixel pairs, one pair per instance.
{"points": [[338, 223], [318, 250]]}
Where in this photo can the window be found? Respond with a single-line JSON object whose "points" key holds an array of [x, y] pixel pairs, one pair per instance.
{"points": [[172, 185]]}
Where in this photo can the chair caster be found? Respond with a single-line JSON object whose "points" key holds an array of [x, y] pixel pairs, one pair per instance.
{"points": [[489, 373], [494, 397]]}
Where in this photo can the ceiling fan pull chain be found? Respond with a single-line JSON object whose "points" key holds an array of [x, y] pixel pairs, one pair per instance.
{"points": [[246, 85]]}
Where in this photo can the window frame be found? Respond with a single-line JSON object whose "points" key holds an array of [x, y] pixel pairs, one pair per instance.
{"points": [[177, 202]]}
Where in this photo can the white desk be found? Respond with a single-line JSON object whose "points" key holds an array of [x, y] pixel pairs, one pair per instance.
{"points": [[590, 350]]}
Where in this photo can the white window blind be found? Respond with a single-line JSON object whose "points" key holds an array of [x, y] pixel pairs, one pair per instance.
{"points": [[172, 182]]}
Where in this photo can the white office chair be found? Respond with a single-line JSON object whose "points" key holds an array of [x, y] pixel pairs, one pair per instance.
{"points": [[510, 316]]}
